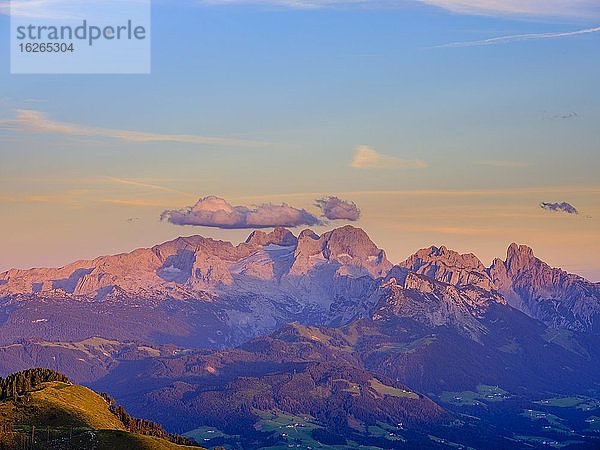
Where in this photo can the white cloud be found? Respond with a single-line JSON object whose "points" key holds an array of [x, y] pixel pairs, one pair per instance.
{"points": [[334, 208], [218, 213], [518, 38], [366, 157], [558, 8], [580, 8], [37, 9], [28, 120], [62, 9], [297, 4]]}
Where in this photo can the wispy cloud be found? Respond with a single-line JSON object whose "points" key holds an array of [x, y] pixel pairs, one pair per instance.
{"points": [[552, 8], [463, 231], [56, 9], [142, 184], [134, 202], [504, 163], [60, 8], [31, 121], [556, 8], [132, 192], [366, 157], [297, 4], [517, 38], [572, 8], [24, 198], [67, 197]]}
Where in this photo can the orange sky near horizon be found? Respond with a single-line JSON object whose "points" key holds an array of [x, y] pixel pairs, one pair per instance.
{"points": [[53, 228]]}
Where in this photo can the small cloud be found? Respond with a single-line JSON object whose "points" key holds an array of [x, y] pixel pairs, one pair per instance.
{"points": [[559, 207], [366, 157], [569, 115], [216, 212], [334, 208], [504, 163], [564, 116]]}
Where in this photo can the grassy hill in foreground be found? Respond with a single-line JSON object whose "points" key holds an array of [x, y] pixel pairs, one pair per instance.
{"points": [[40, 414]]}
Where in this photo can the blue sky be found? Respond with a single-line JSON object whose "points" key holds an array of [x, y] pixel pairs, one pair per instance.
{"points": [[292, 92]]}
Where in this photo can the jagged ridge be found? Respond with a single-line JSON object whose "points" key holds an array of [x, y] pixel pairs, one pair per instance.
{"points": [[275, 277]]}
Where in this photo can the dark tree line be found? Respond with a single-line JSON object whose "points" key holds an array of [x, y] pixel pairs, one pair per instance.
{"points": [[144, 426], [20, 383], [27, 380]]}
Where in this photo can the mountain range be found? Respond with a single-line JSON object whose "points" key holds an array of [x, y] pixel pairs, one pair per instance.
{"points": [[228, 342]]}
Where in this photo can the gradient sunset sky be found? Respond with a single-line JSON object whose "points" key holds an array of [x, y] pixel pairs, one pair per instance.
{"points": [[464, 115]]}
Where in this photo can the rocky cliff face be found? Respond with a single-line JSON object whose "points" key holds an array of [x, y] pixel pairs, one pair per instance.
{"points": [[449, 267], [555, 297], [349, 249], [528, 284], [434, 303]]}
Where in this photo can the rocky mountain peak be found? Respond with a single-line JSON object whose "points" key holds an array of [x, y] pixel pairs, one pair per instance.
{"points": [[350, 240], [435, 303], [449, 267], [443, 256], [349, 247], [519, 257], [555, 297], [279, 236], [308, 234]]}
